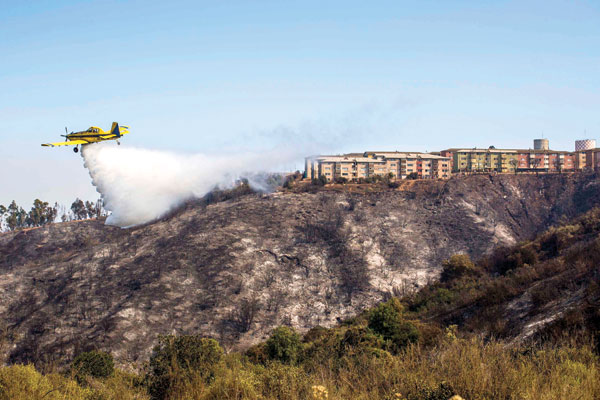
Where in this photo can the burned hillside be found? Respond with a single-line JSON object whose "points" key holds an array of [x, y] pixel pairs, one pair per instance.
{"points": [[235, 269]]}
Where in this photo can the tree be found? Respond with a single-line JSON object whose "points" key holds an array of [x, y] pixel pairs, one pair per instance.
{"points": [[90, 208], [387, 320], [16, 216], [41, 213], [176, 357], [99, 210], [558, 164], [78, 209], [284, 345], [536, 164], [514, 163], [244, 315], [97, 364], [320, 181], [3, 210], [457, 266]]}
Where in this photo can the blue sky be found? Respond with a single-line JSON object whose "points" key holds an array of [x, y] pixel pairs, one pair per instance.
{"points": [[193, 76]]}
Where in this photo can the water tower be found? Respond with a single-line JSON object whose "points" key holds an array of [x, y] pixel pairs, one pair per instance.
{"points": [[541, 144], [585, 144]]}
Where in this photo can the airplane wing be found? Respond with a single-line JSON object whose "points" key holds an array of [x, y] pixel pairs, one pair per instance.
{"points": [[70, 142]]}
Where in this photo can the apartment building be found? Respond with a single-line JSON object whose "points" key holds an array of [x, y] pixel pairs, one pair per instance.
{"points": [[589, 160], [420, 165], [518, 160], [482, 160], [349, 167], [400, 165], [547, 161]]}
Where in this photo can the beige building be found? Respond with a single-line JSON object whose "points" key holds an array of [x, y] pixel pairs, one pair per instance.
{"points": [[482, 160], [418, 165], [344, 166], [355, 167]]}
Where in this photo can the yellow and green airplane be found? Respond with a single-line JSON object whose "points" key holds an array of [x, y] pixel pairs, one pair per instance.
{"points": [[92, 135]]}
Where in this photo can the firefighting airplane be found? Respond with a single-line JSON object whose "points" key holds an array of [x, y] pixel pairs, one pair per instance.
{"points": [[92, 135]]}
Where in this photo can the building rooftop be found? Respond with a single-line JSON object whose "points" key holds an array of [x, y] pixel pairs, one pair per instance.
{"points": [[488, 150], [405, 154], [345, 158]]}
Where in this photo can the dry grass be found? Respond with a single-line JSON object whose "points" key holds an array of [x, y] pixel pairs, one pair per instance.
{"points": [[467, 367]]}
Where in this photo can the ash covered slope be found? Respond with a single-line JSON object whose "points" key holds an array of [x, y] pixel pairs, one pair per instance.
{"points": [[236, 269]]}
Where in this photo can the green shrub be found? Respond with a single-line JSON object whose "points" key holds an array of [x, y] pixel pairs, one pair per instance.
{"points": [[320, 181], [284, 345], [176, 358], [456, 267], [283, 382], [386, 320], [96, 364], [234, 384], [315, 333], [257, 354], [359, 339], [23, 382]]}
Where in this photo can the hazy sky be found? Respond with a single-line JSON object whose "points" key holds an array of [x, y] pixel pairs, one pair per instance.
{"points": [[194, 76]]}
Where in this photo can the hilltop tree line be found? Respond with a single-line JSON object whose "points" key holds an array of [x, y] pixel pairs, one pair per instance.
{"points": [[16, 217]]}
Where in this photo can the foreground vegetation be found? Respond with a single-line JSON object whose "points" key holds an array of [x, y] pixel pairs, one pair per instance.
{"points": [[468, 367], [450, 338]]}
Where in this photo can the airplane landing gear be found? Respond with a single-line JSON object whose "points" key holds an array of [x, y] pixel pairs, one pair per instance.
{"points": [[119, 143], [75, 149]]}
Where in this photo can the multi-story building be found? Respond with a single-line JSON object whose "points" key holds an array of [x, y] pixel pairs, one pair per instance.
{"points": [[590, 159], [349, 167], [397, 165], [402, 165], [482, 160], [420, 165], [516, 160]]}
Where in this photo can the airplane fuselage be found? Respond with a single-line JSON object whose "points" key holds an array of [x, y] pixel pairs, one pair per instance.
{"points": [[95, 134]]}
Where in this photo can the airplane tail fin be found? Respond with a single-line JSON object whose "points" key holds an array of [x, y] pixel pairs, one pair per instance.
{"points": [[115, 130]]}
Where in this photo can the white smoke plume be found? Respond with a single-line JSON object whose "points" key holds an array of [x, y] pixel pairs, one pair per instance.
{"points": [[140, 185]]}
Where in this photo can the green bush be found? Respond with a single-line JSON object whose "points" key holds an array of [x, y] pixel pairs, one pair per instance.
{"points": [[96, 364], [434, 298], [456, 267], [320, 181], [386, 320], [357, 339], [24, 382], [175, 358], [257, 354], [284, 345]]}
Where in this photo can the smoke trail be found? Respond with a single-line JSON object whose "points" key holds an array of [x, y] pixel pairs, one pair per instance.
{"points": [[139, 185]]}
